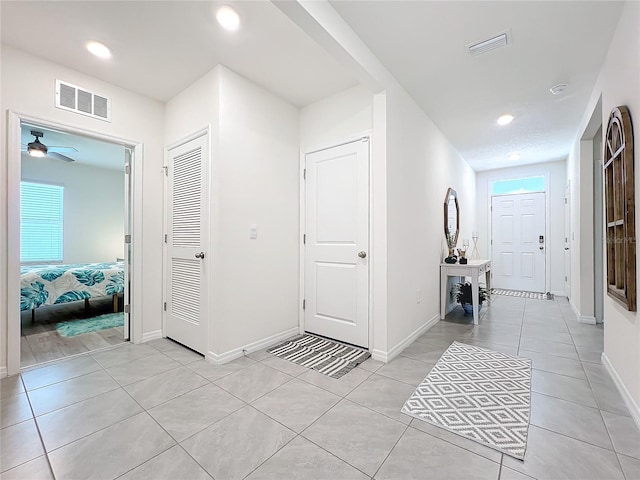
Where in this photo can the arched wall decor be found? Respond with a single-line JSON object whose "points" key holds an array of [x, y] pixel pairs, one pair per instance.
{"points": [[620, 208]]}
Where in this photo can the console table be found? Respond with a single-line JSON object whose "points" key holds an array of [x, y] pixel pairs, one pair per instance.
{"points": [[473, 269]]}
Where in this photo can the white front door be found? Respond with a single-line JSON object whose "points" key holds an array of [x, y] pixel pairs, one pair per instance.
{"points": [[186, 290], [336, 284], [518, 242]]}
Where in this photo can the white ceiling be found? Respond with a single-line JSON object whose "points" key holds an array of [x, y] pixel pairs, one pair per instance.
{"points": [[423, 44], [160, 47], [88, 151]]}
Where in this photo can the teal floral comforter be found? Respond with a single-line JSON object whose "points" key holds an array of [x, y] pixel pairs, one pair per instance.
{"points": [[54, 284]]}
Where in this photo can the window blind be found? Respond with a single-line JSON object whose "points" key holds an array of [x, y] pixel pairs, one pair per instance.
{"points": [[41, 222]]}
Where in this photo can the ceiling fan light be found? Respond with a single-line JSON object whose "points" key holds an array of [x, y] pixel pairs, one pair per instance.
{"points": [[36, 148]]}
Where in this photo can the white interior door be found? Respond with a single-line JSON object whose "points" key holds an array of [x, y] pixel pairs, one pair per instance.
{"points": [[336, 286], [186, 290], [127, 243], [518, 242], [567, 242]]}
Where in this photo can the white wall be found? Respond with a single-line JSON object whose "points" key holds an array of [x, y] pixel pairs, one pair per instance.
{"points": [[336, 118], [28, 87], [421, 165], [93, 207], [555, 173], [616, 85], [255, 180]]}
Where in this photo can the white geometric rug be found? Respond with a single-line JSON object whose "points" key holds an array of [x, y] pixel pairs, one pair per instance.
{"points": [[522, 294], [479, 394]]}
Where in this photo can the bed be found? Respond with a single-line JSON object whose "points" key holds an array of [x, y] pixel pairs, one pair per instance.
{"points": [[56, 284]]}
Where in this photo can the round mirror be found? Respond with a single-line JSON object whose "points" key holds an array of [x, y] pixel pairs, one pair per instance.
{"points": [[451, 218]]}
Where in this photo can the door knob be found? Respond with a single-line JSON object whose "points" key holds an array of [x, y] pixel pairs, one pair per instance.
{"points": [[566, 248], [362, 254], [541, 247], [200, 255]]}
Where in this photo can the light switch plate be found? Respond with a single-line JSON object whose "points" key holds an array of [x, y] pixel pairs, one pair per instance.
{"points": [[253, 231]]}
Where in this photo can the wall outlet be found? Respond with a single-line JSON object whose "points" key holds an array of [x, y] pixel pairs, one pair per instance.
{"points": [[418, 295]]}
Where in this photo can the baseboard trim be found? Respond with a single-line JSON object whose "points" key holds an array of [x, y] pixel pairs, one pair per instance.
{"points": [[222, 358], [633, 407], [586, 319], [387, 356], [147, 337], [3, 372]]}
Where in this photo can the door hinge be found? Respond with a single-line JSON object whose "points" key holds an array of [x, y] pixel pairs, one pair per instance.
{"points": [[304, 174], [304, 304], [165, 238], [304, 239], [565, 278], [127, 238], [165, 306], [127, 169], [127, 308], [565, 201], [166, 170]]}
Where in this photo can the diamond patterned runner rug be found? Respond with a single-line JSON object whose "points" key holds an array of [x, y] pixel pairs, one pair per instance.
{"points": [[479, 394], [326, 356], [522, 294]]}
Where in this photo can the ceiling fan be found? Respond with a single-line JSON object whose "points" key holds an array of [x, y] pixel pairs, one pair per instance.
{"points": [[39, 149]]}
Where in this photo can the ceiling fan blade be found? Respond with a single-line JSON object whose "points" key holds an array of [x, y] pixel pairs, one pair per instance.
{"points": [[59, 156], [59, 148]]}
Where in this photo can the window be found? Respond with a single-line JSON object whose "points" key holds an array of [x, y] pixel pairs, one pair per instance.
{"points": [[518, 185], [41, 222]]}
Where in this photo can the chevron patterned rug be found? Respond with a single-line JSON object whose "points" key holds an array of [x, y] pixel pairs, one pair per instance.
{"points": [[326, 356], [522, 294], [479, 394]]}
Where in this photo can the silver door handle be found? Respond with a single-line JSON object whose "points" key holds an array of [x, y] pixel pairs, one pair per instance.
{"points": [[362, 254], [200, 255], [566, 248], [541, 247]]}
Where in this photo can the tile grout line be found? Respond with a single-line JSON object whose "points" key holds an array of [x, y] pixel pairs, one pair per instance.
{"points": [[35, 422], [390, 451]]}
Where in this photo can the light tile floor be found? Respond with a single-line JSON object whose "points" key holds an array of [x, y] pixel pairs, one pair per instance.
{"points": [[159, 411]]}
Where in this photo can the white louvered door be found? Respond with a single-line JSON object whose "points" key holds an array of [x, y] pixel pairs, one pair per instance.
{"points": [[186, 290]]}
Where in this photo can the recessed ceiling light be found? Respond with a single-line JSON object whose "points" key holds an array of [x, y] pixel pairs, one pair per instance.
{"points": [[558, 89], [514, 156], [228, 18], [98, 49], [505, 119]]}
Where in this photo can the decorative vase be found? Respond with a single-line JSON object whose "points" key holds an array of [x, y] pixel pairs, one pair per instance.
{"points": [[468, 308]]}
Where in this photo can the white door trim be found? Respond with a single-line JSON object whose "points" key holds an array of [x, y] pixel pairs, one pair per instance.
{"points": [[547, 225], [165, 221], [303, 219], [14, 121]]}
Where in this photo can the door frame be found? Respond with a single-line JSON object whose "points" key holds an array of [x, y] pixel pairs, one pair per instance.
{"points": [[303, 219], [205, 131], [547, 225], [14, 121]]}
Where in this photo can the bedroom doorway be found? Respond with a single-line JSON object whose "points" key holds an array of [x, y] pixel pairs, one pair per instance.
{"points": [[72, 240]]}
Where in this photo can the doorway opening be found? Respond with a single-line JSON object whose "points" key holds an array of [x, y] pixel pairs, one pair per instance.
{"points": [[70, 242], [519, 234]]}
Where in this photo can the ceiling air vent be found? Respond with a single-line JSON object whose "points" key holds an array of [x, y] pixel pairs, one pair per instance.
{"points": [[497, 41], [78, 99]]}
